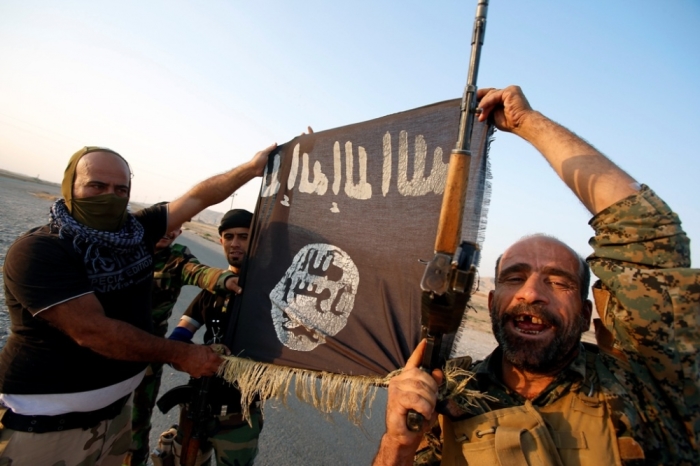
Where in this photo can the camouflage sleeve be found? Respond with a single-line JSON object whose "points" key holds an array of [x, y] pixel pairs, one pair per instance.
{"points": [[429, 451], [649, 297], [202, 276]]}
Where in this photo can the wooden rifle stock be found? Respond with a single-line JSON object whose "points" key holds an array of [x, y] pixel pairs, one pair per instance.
{"points": [[447, 284], [194, 420], [190, 445], [453, 200]]}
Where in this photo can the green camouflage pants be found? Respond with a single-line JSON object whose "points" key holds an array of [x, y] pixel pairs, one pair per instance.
{"points": [[145, 397], [233, 445], [237, 445], [103, 445], [144, 400]]}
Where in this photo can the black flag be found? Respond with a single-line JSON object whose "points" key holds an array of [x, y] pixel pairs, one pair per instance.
{"points": [[343, 219]]}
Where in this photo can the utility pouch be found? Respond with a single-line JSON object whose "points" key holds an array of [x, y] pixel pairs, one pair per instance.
{"points": [[515, 436]]}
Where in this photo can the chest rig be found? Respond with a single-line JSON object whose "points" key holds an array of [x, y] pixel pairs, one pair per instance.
{"points": [[576, 429]]}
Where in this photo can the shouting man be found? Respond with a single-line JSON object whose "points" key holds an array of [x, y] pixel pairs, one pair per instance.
{"points": [[632, 399]]}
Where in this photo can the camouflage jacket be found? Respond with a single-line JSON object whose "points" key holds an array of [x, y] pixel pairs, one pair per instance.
{"points": [[648, 367], [176, 267]]}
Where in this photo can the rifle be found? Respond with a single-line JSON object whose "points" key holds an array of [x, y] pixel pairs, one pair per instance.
{"points": [[447, 284], [195, 416]]}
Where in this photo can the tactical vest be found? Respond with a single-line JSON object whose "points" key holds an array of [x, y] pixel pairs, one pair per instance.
{"points": [[575, 430]]}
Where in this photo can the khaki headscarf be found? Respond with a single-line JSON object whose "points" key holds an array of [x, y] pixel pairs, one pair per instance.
{"points": [[69, 174], [103, 212]]}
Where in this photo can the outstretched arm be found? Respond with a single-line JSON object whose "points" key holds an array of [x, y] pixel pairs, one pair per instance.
{"points": [[412, 389], [208, 278], [595, 180], [215, 189]]}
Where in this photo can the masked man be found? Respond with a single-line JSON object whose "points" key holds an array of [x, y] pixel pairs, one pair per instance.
{"points": [[78, 293]]}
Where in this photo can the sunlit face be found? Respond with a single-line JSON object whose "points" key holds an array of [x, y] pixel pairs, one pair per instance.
{"points": [[235, 244], [101, 173], [168, 239], [536, 309]]}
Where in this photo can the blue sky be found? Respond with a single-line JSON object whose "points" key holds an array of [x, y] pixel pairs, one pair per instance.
{"points": [[188, 89]]}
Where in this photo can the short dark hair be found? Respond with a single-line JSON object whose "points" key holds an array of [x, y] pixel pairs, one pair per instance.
{"points": [[584, 273]]}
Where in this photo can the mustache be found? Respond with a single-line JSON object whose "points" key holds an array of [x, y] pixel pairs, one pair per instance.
{"points": [[536, 310]]}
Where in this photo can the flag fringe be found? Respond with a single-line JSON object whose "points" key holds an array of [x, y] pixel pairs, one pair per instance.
{"points": [[327, 392]]}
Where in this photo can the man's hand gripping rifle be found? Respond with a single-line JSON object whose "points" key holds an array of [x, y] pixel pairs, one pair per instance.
{"points": [[447, 284]]}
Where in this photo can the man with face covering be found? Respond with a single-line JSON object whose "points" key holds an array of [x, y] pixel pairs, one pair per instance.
{"points": [[78, 292], [234, 441], [634, 398]]}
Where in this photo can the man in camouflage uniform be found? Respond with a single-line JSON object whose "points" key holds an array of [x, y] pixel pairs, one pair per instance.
{"points": [[234, 441], [632, 399], [175, 267]]}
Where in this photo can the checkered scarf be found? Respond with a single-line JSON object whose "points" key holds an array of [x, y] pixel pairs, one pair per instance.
{"points": [[91, 244]]}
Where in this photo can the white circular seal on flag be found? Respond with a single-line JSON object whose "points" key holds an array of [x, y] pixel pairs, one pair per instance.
{"points": [[315, 297]]}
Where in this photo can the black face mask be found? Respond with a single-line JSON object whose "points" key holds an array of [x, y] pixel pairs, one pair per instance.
{"points": [[105, 212]]}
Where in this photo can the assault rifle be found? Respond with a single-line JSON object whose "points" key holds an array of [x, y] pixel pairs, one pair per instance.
{"points": [[447, 284], [195, 416]]}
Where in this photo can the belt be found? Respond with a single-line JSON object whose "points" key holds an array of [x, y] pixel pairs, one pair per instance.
{"points": [[43, 424]]}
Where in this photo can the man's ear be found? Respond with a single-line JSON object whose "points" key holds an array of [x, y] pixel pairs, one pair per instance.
{"points": [[490, 298], [221, 240]]}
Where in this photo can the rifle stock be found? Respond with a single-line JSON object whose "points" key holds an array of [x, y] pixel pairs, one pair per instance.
{"points": [[447, 283]]}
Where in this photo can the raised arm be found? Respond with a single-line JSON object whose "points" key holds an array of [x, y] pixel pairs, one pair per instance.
{"points": [[595, 180], [215, 189]]}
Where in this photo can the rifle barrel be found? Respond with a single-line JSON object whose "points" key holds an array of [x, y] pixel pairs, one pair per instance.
{"points": [[454, 198], [468, 110]]}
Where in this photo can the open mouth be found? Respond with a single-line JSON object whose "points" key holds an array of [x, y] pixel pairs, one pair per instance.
{"points": [[530, 325]]}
